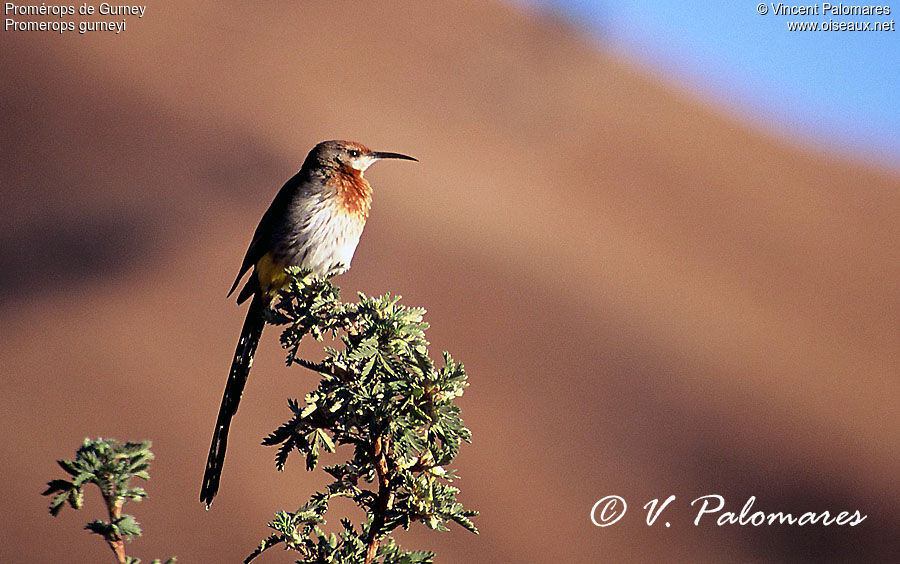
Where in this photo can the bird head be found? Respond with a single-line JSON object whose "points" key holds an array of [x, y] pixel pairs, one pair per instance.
{"points": [[348, 154]]}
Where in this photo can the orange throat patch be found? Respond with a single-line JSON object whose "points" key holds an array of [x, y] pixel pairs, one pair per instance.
{"points": [[354, 192]]}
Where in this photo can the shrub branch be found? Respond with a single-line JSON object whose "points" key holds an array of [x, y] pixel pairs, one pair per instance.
{"points": [[381, 394]]}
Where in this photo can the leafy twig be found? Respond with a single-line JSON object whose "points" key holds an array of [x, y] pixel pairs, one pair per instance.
{"points": [[110, 466]]}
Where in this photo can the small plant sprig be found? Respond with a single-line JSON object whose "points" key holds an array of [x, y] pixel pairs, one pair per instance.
{"points": [[383, 396], [109, 465]]}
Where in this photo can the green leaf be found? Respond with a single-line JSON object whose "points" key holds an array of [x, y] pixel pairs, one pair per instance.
{"points": [[325, 440], [101, 528], [127, 527]]}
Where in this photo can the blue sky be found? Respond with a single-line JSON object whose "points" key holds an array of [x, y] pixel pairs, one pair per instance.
{"points": [[837, 89]]}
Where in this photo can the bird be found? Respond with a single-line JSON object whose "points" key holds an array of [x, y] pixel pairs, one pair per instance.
{"points": [[314, 222]]}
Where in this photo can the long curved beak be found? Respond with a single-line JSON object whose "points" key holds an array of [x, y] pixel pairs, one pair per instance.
{"points": [[382, 155]]}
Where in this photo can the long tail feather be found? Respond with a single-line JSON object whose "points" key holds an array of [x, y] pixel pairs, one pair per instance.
{"points": [[234, 389]]}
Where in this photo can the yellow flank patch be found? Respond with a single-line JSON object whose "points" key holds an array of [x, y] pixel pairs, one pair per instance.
{"points": [[271, 276]]}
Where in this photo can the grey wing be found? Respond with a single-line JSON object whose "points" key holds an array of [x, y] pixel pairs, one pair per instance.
{"points": [[254, 252], [262, 237]]}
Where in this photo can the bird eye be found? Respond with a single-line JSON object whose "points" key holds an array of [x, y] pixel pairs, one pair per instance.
{"points": [[354, 153]]}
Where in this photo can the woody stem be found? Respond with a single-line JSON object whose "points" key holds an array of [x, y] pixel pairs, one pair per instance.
{"points": [[114, 508], [384, 502]]}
